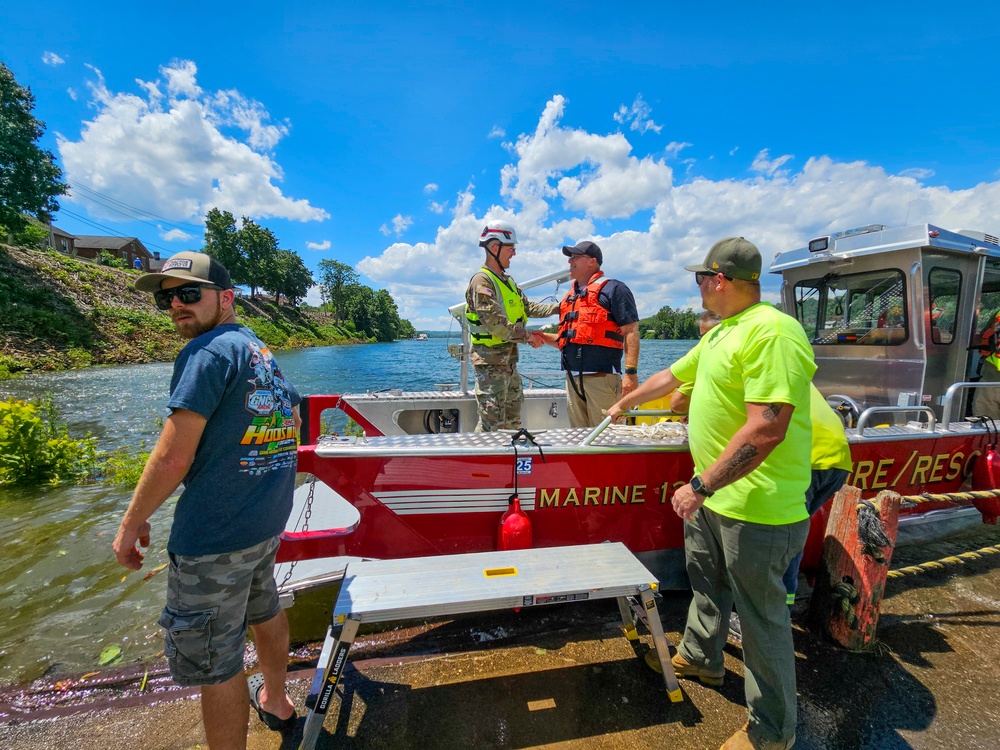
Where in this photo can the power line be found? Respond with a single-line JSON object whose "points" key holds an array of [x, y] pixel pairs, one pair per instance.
{"points": [[112, 232], [104, 200]]}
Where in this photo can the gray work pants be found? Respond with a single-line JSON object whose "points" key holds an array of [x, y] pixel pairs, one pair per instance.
{"points": [[730, 561]]}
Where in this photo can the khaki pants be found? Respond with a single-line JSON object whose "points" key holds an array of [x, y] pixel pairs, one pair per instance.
{"points": [[603, 390]]}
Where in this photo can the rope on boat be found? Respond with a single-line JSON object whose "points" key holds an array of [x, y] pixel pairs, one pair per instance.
{"points": [[871, 532], [655, 431], [957, 498], [936, 565]]}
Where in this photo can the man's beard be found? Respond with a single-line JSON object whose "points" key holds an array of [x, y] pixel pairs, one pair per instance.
{"points": [[194, 327]]}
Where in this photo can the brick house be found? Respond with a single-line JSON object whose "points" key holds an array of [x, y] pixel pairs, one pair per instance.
{"points": [[63, 242], [125, 248]]}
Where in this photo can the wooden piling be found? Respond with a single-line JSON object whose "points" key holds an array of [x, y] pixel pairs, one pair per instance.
{"points": [[851, 581]]}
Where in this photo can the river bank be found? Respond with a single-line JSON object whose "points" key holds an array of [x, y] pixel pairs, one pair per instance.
{"points": [[564, 677], [63, 313]]}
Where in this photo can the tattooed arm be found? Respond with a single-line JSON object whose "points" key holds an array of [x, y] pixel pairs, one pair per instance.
{"points": [[764, 430]]}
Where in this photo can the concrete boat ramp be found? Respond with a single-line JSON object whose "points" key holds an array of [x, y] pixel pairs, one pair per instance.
{"points": [[564, 677]]}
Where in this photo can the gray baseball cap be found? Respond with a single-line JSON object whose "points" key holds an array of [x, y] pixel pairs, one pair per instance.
{"points": [[189, 266]]}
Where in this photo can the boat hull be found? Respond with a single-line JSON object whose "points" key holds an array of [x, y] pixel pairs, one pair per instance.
{"points": [[445, 494]]}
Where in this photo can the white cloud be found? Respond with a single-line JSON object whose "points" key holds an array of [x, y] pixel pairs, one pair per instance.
{"points": [[400, 224], [72, 93], [766, 166], [178, 150], [324, 245], [438, 208], [51, 58], [673, 148], [497, 132], [175, 235], [917, 173], [776, 206], [430, 187], [638, 115]]}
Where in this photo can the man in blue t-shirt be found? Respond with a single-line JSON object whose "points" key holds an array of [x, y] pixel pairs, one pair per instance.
{"points": [[231, 439]]}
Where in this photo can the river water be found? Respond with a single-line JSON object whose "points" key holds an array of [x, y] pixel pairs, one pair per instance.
{"points": [[63, 597]]}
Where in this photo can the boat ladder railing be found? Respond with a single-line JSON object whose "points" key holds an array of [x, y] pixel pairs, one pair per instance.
{"points": [[595, 433], [947, 404], [871, 411]]}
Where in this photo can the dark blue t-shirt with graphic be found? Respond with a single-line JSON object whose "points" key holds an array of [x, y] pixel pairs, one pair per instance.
{"points": [[238, 492]]}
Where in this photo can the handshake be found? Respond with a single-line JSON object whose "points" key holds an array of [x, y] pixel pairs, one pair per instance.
{"points": [[537, 339]]}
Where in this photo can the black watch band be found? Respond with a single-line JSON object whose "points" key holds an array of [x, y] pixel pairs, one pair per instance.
{"points": [[699, 486]]}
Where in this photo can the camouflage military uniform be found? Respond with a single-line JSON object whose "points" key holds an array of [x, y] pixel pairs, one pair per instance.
{"points": [[498, 385]]}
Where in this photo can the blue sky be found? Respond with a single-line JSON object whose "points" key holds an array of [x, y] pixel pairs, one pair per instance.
{"points": [[383, 134]]}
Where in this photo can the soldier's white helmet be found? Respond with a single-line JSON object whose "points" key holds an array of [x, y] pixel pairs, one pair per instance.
{"points": [[500, 231]]}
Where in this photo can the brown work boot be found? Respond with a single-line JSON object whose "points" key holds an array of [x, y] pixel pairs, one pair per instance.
{"points": [[741, 741], [684, 668]]}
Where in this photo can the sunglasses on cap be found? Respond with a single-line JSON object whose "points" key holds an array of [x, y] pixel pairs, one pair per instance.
{"points": [[187, 294]]}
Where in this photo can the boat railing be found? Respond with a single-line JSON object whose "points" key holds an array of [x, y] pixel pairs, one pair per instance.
{"points": [[871, 411], [596, 432], [558, 376], [947, 404]]}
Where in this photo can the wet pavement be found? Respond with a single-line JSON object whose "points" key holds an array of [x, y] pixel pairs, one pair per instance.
{"points": [[564, 677]]}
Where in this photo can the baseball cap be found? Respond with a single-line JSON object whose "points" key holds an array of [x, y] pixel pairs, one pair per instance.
{"points": [[734, 257], [189, 266], [585, 248]]}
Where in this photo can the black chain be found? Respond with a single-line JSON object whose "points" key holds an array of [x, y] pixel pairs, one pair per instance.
{"points": [[305, 527]]}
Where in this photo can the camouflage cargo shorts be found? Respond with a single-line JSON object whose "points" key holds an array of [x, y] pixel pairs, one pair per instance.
{"points": [[211, 599]]}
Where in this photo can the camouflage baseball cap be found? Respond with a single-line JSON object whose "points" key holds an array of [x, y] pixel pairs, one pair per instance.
{"points": [[734, 257], [190, 266]]}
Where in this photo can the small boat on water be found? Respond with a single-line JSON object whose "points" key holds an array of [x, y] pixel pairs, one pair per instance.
{"points": [[894, 316], [420, 337]]}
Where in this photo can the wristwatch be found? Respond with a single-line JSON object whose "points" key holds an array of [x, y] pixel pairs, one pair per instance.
{"points": [[699, 486], [631, 370]]}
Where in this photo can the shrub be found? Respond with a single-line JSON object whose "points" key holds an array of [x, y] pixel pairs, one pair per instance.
{"points": [[110, 260], [36, 449], [124, 468], [79, 358]]}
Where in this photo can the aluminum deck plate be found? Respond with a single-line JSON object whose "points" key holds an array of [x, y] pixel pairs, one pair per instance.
{"points": [[375, 591], [562, 439]]}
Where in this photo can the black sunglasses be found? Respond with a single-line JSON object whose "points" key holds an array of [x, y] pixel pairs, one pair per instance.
{"points": [[187, 294], [700, 276]]}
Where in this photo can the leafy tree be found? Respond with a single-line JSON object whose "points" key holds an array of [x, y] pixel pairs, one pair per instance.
{"points": [[248, 252], [259, 248], [359, 306], [668, 323], [337, 281], [289, 277], [222, 241], [29, 177]]}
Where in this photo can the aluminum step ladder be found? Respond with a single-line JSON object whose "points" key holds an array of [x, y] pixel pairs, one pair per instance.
{"points": [[417, 588]]}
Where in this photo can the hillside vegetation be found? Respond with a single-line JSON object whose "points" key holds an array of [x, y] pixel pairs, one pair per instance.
{"points": [[58, 312]]}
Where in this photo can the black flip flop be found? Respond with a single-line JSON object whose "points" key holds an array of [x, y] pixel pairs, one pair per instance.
{"points": [[255, 683]]}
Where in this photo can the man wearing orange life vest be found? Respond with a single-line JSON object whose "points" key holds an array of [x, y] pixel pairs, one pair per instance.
{"points": [[598, 322]]}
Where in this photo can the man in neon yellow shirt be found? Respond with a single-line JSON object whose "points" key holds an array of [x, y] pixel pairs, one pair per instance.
{"points": [[744, 509], [831, 457], [497, 311]]}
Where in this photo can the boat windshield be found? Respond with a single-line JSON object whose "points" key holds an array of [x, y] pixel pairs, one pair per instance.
{"points": [[862, 308]]}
